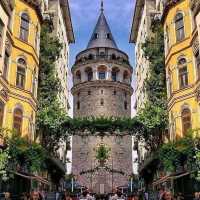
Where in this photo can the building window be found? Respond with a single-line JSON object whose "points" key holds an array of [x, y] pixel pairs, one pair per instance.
{"points": [[102, 102], [101, 91], [183, 73], [78, 105], [6, 65], [89, 74], [1, 113], [102, 75], [17, 120], [78, 76], [125, 94], [115, 92], [186, 120], [21, 73], [197, 60], [114, 74], [89, 92], [179, 25], [125, 105], [24, 28]]}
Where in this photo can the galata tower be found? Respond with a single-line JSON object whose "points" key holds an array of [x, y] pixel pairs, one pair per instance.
{"points": [[102, 87]]}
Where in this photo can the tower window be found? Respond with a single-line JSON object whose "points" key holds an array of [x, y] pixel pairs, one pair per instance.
{"points": [[78, 105], [125, 105], [102, 102], [89, 92], [114, 92], [108, 36], [102, 75], [101, 91], [96, 36]]}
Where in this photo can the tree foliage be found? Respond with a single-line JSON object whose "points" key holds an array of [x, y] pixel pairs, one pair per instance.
{"points": [[51, 115], [20, 155]]}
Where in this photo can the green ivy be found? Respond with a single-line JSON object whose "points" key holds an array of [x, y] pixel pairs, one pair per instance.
{"points": [[177, 153], [50, 115], [102, 153]]}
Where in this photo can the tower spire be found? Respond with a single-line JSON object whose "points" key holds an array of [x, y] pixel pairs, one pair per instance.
{"points": [[102, 6]]}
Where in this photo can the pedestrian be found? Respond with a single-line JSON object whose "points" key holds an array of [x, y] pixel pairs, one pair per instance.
{"points": [[66, 196], [180, 196], [196, 196], [7, 196], [34, 195], [167, 196], [160, 193], [135, 197]]}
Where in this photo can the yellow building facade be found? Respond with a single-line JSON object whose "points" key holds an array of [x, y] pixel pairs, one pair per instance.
{"points": [[20, 67], [182, 67]]}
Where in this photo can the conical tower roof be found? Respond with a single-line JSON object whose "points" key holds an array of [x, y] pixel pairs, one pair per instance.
{"points": [[102, 35]]}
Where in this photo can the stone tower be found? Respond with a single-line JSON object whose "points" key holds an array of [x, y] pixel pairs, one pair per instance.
{"points": [[102, 87]]}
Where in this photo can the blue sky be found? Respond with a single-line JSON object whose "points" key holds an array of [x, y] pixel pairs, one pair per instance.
{"points": [[84, 15]]}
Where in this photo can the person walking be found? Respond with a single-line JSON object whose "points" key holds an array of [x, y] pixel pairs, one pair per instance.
{"points": [[167, 196], [7, 196], [196, 196]]}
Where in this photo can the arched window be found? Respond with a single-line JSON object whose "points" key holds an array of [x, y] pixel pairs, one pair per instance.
{"points": [[21, 73], [186, 120], [78, 76], [114, 74], [183, 73], [108, 36], [17, 120], [91, 57], [114, 57], [1, 113], [24, 27], [102, 73], [179, 25], [125, 76], [89, 73]]}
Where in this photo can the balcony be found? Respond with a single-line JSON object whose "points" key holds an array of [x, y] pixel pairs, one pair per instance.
{"points": [[97, 58]]}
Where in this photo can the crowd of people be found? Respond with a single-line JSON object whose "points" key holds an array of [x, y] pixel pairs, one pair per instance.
{"points": [[86, 195]]}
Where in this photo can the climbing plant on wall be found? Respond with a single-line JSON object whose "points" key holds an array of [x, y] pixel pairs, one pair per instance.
{"points": [[50, 115]]}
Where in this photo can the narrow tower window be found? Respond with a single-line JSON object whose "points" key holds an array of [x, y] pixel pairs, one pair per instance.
{"points": [[125, 105], [78, 105], [102, 102], [96, 36]]}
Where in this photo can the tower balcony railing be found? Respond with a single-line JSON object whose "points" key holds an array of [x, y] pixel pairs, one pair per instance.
{"points": [[96, 58]]}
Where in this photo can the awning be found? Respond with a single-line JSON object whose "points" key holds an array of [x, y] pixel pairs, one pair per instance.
{"points": [[32, 177]]}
